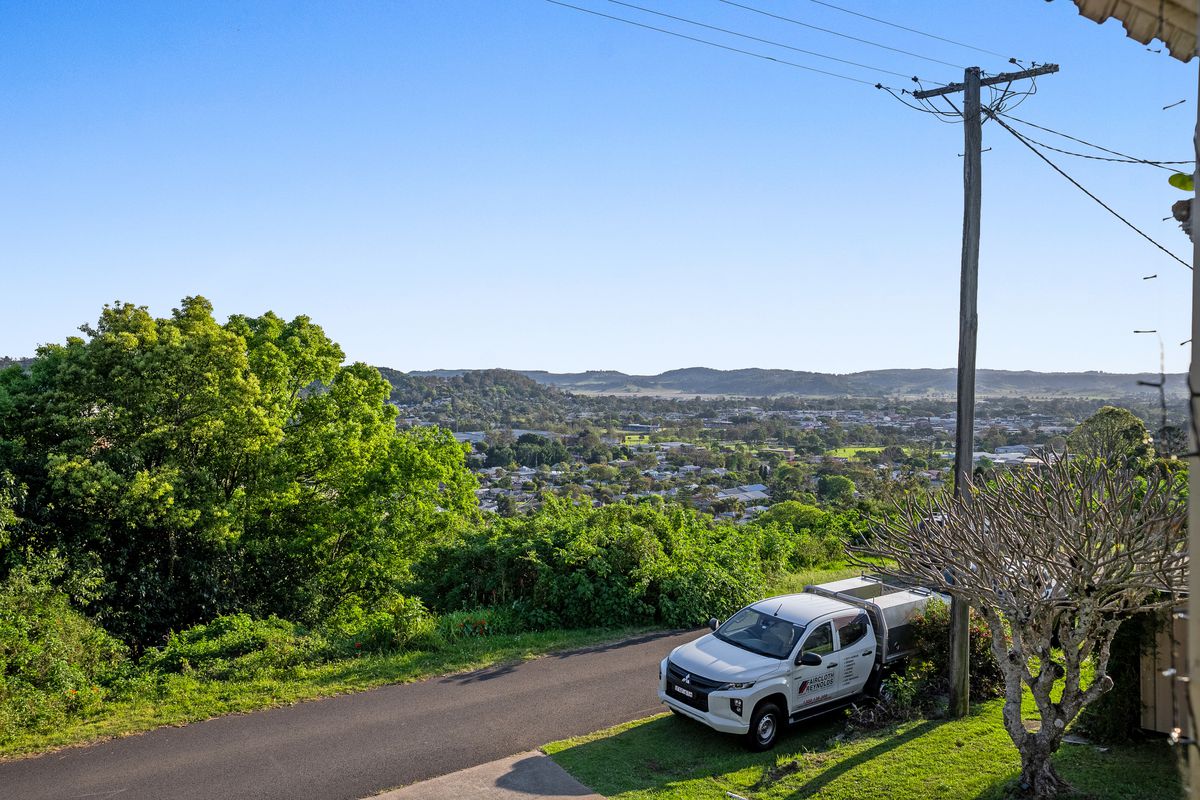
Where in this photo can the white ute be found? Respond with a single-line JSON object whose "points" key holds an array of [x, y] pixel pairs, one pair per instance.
{"points": [[786, 658]]}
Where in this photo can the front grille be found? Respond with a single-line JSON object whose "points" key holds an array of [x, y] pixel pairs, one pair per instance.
{"points": [[697, 685], [699, 681]]}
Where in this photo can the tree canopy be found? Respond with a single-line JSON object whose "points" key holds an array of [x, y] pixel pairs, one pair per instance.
{"points": [[206, 466], [1116, 434]]}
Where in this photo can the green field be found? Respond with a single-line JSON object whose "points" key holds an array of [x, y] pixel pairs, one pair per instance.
{"points": [[849, 452], [668, 758]]}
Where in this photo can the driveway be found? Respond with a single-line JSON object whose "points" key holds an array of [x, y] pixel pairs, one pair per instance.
{"points": [[353, 746]]}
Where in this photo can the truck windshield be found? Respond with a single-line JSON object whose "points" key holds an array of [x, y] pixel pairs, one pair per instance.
{"points": [[760, 633]]}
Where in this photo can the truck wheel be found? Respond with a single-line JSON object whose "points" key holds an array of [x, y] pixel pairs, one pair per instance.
{"points": [[874, 682], [764, 727]]}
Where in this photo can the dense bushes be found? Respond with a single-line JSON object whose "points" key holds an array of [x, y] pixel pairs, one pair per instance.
{"points": [[923, 686], [576, 566], [931, 638], [54, 661]]}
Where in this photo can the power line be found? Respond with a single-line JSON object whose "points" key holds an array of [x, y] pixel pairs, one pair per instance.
{"points": [[713, 44], [1080, 186], [1124, 156], [764, 41], [910, 30], [843, 35]]}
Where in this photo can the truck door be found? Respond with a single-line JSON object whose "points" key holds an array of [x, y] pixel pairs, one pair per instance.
{"points": [[856, 652], [817, 684]]}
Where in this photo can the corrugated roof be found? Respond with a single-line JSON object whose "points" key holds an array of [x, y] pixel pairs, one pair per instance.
{"points": [[1172, 22]]}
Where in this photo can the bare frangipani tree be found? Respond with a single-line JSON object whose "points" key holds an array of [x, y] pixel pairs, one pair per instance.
{"points": [[1053, 558]]}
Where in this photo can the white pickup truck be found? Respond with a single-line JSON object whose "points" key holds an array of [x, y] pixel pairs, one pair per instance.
{"points": [[786, 658]]}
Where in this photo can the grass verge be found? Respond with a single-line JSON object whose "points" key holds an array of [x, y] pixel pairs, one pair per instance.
{"points": [[151, 700], [665, 757]]}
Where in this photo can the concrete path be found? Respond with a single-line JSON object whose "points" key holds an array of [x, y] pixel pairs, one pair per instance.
{"points": [[518, 777], [355, 746]]}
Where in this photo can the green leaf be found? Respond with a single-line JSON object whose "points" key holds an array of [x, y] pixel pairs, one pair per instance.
{"points": [[1182, 181]]}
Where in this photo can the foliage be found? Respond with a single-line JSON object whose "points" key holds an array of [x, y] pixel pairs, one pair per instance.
{"points": [[55, 663], [573, 565], [1053, 559], [835, 488], [931, 639], [921, 689], [394, 623], [817, 537], [147, 699], [1112, 433], [233, 646], [212, 468]]}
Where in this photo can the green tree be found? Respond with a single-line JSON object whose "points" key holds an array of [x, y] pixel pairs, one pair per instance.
{"points": [[213, 467], [835, 488], [1116, 434]]}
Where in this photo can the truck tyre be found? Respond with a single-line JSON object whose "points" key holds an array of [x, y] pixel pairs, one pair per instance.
{"points": [[874, 682], [765, 723]]}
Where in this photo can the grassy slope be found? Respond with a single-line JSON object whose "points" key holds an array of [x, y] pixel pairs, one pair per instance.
{"points": [[156, 700], [667, 758]]}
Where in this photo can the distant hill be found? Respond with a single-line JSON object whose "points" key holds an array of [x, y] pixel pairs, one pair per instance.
{"points": [[6, 362], [874, 383]]}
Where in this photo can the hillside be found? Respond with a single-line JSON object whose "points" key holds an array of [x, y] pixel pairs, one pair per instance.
{"points": [[875, 383]]}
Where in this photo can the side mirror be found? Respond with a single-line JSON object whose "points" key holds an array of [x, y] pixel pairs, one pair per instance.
{"points": [[713, 623], [808, 660]]}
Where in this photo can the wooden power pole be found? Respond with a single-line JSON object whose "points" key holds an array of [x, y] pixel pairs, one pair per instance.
{"points": [[968, 326]]}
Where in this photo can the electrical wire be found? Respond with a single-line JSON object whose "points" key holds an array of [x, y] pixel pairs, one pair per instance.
{"points": [[1123, 156], [842, 35], [1080, 186], [910, 30], [714, 44], [764, 41]]}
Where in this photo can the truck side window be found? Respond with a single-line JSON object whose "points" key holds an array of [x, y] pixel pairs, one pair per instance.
{"points": [[851, 629], [820, 641]]}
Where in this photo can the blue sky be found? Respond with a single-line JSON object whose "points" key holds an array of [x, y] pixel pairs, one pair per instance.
{"points": [[512, 183]]}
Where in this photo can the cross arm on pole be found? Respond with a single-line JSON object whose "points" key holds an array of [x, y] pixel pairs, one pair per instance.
{"points": [[1003, 77]]}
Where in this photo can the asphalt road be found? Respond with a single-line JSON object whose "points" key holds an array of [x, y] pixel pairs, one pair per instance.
{"points": [[353, 746]]}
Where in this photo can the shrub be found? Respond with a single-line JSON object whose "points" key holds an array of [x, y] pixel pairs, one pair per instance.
{"points": [[457, 625], [236, 645], [931, 639], [397, 623], [55, 663], [924, 683], [574, 566]]}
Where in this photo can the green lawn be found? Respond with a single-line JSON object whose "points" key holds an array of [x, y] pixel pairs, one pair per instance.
{"points": [[665, 758], [151, 701], [848, 452]]}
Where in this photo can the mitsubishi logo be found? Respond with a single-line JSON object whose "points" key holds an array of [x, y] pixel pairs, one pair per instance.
{"points": [[687, 678]]}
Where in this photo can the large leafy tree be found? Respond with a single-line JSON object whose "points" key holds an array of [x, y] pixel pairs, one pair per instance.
{"points": [[206, 466], [1112, 433]]}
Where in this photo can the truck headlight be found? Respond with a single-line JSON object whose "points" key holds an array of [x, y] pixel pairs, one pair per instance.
{"points": [[744, 685]]}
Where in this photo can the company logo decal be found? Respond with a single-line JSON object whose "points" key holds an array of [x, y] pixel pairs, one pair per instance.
{"points": [[817, 684]]}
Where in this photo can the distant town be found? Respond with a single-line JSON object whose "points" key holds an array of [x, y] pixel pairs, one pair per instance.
{"points": [[732, 458]]}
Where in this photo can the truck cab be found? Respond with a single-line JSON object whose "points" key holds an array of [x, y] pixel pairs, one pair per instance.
{"points": [[789, 657]]}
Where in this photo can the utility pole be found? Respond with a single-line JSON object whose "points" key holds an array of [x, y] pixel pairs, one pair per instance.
{"points": [[968, 326]]}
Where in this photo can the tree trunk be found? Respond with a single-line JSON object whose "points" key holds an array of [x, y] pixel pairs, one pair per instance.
{"points": [[1039, 779]]}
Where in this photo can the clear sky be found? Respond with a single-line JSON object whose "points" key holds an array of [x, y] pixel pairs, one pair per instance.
{"points": [[512, 183]]}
